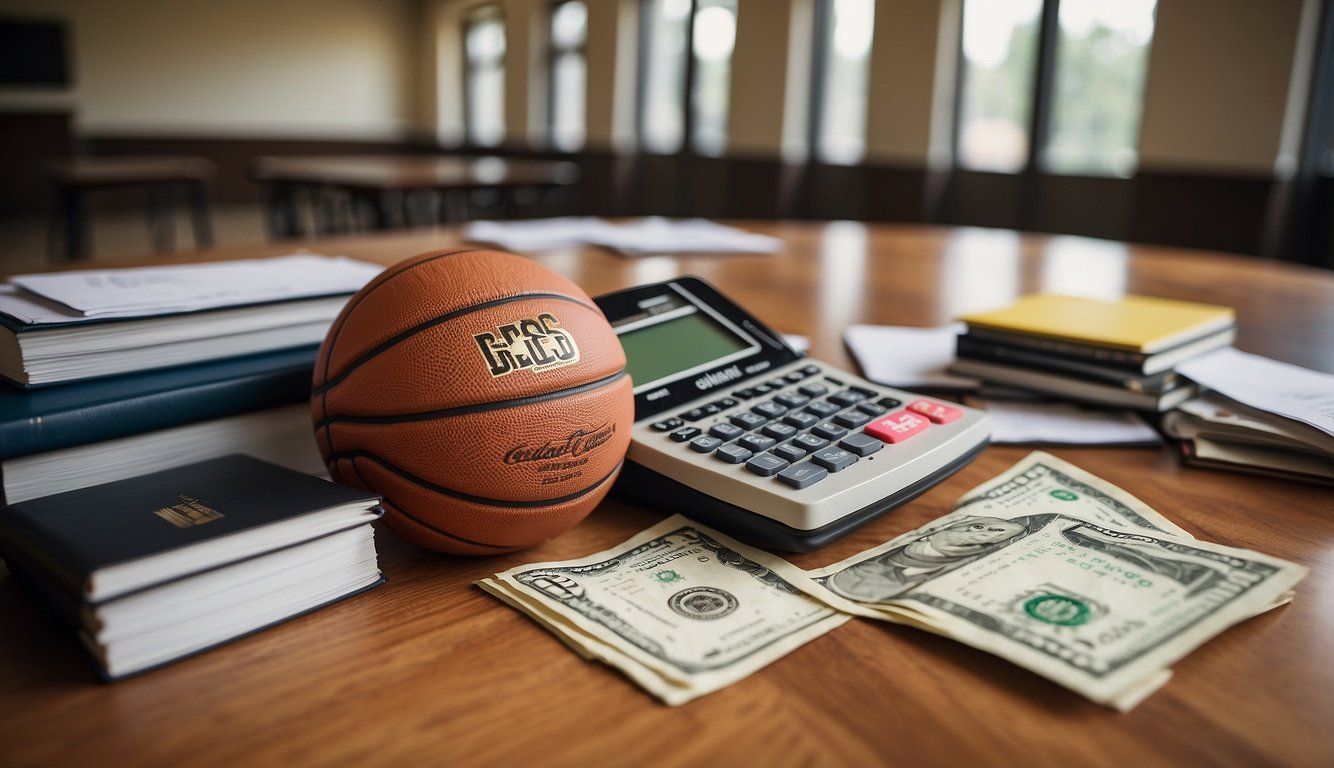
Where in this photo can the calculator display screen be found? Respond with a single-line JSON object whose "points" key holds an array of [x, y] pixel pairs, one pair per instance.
{"points": [[682, 339]]}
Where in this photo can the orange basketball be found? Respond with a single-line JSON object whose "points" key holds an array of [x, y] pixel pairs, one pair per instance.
{"points": [[481, 394]]}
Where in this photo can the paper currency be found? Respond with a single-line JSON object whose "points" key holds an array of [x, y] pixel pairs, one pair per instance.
{"points": [[681, 609], [1066, 575]]}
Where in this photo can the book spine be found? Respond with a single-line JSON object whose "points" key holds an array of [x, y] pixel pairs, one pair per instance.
{"points": [[1002, 354], [107, 419], [26, 552], [1133, 362]]}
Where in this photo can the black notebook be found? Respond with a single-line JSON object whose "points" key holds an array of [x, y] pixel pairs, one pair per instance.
{"points": [[164, 565]]}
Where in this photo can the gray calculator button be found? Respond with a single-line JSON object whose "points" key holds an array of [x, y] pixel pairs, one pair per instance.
{"points": [[725, 431], [684, 434], [756, 443], [802, 475], [779, 430], [801, 420], [766, 465], [705, 444], [748, 420], [791, 399], [852, 419], [846, 397], [861, 444], [875, 409], [789, 452], [823, 408], [828, 430], [732, 454], [809, 442], [813, 389], [769, 409], [834, 459]]}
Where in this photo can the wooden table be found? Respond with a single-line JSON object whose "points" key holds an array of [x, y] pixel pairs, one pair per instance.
{"points": [[162, 177], [385, 182], [429, 670]]}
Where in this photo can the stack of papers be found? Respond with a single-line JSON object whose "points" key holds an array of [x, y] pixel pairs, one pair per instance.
{"points": [[644, 236]]}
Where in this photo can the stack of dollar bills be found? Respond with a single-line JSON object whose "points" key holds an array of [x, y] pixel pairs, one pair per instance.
{"points": [[1046, 566]]}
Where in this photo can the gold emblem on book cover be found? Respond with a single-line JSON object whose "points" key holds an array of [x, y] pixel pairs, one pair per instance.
{"points": [[189, 513]]}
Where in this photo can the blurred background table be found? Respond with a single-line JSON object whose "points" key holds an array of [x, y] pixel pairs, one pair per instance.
{"points": [[389, 188], [429, 669]]}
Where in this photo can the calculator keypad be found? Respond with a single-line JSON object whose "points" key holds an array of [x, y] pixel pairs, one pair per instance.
{"points": [[802, 427]]}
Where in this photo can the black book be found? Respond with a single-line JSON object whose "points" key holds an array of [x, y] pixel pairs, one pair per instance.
{"points": [[165, 565], [972, 348], [1131, 361]]}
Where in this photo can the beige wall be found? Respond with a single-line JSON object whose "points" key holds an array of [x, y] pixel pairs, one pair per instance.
{"points": [[1217, 84], [310, 68], [903, 81]]}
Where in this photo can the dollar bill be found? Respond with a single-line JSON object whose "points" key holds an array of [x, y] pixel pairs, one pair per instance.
{"points": [[680, 609], [1066, 575]]}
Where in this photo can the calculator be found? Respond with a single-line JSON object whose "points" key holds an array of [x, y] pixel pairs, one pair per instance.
{"points": [[736, 429]]}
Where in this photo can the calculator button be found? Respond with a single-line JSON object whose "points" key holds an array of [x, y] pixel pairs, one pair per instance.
{"points": [[897, 426], [861, 444], [761, 389], [834, 381], [711, 409], [852, 419], [889, 402], [687, 433], [725, 431], [694, 414], [732, 454], [744, 394], [794, 377], [779, 430], [727, 402], [823, 408], [705, 444], [834, 459], [938, 413], [666, 425], [874, 409], [802, 475], [809, 442], [846, 397], [811, 370], [778, 383], [828, 430], [813, 390], [791, 399], [756, 443], [748, 420], [769, 410], [789, 452], [766, 465], [801, 420]]}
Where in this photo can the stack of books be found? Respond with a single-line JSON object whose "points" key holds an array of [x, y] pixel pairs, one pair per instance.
{"points": [[162, 566], [121, 371], [1121, 353]]}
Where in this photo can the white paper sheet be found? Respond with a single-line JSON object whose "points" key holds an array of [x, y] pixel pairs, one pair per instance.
{"points": [[1287, 390], [146, 291], [1066, 424], [899, 356], [640, 237]]}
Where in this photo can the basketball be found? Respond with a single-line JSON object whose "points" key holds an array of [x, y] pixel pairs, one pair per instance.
{"points": [[483, 395]]}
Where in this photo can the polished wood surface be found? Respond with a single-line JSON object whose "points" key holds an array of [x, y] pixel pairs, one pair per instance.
{"points": [[399, 172], [430, 670]]}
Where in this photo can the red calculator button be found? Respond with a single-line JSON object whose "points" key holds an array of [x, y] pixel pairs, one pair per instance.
{"points": [[897, 426], [936, 412]]}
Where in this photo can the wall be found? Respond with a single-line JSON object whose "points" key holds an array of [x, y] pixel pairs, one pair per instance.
{"points": [[310, 68]]}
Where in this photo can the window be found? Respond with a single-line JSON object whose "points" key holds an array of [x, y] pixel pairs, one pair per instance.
{"points": [[1064, 75], [569, 33], [686, 95], [1101, 56], [843, 48], [484, 88]]}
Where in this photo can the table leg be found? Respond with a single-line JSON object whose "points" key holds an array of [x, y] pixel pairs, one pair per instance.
{"points": [[74, 213], [162, 216], [202, 224]]}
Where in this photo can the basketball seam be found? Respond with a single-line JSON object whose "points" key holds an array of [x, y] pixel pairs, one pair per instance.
{"points": [[505, 503], [402, 336], [466, 410]]}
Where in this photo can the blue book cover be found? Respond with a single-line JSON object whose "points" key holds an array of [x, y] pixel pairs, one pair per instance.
{"points": [[40, 420]]}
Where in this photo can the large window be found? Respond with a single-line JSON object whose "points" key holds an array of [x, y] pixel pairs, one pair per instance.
{"points": [[484, 90], [686, 95], [569, 33], [1056, 86], [843, 45]]}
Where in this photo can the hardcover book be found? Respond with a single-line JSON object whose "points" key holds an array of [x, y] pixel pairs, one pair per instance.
{"points": [[1141, 324], [157, 567]]}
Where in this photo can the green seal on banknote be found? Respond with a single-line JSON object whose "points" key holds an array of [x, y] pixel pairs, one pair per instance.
{"points": [[667, 577], [1064, 495], [1057, 609]]}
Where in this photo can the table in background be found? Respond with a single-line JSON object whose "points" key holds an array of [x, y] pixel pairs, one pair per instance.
{"points": [[162, 177], [385, 184], [428, 669]]}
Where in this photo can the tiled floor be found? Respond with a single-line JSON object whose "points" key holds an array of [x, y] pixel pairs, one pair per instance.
{"points": [[121, 234]]}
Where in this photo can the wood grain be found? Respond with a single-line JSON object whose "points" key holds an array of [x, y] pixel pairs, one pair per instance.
{"points": [[428, 669]]}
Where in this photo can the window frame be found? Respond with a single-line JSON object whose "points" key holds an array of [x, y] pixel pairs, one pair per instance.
{"points": [[689, 120]]}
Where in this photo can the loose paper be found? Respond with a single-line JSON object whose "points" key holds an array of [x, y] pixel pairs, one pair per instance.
{"points": [[1066, 424], [900, 356], [651, 235], [1286, 390]]}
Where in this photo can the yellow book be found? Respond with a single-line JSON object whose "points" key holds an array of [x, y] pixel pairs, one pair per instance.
{"points": [[1144, 324]]}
